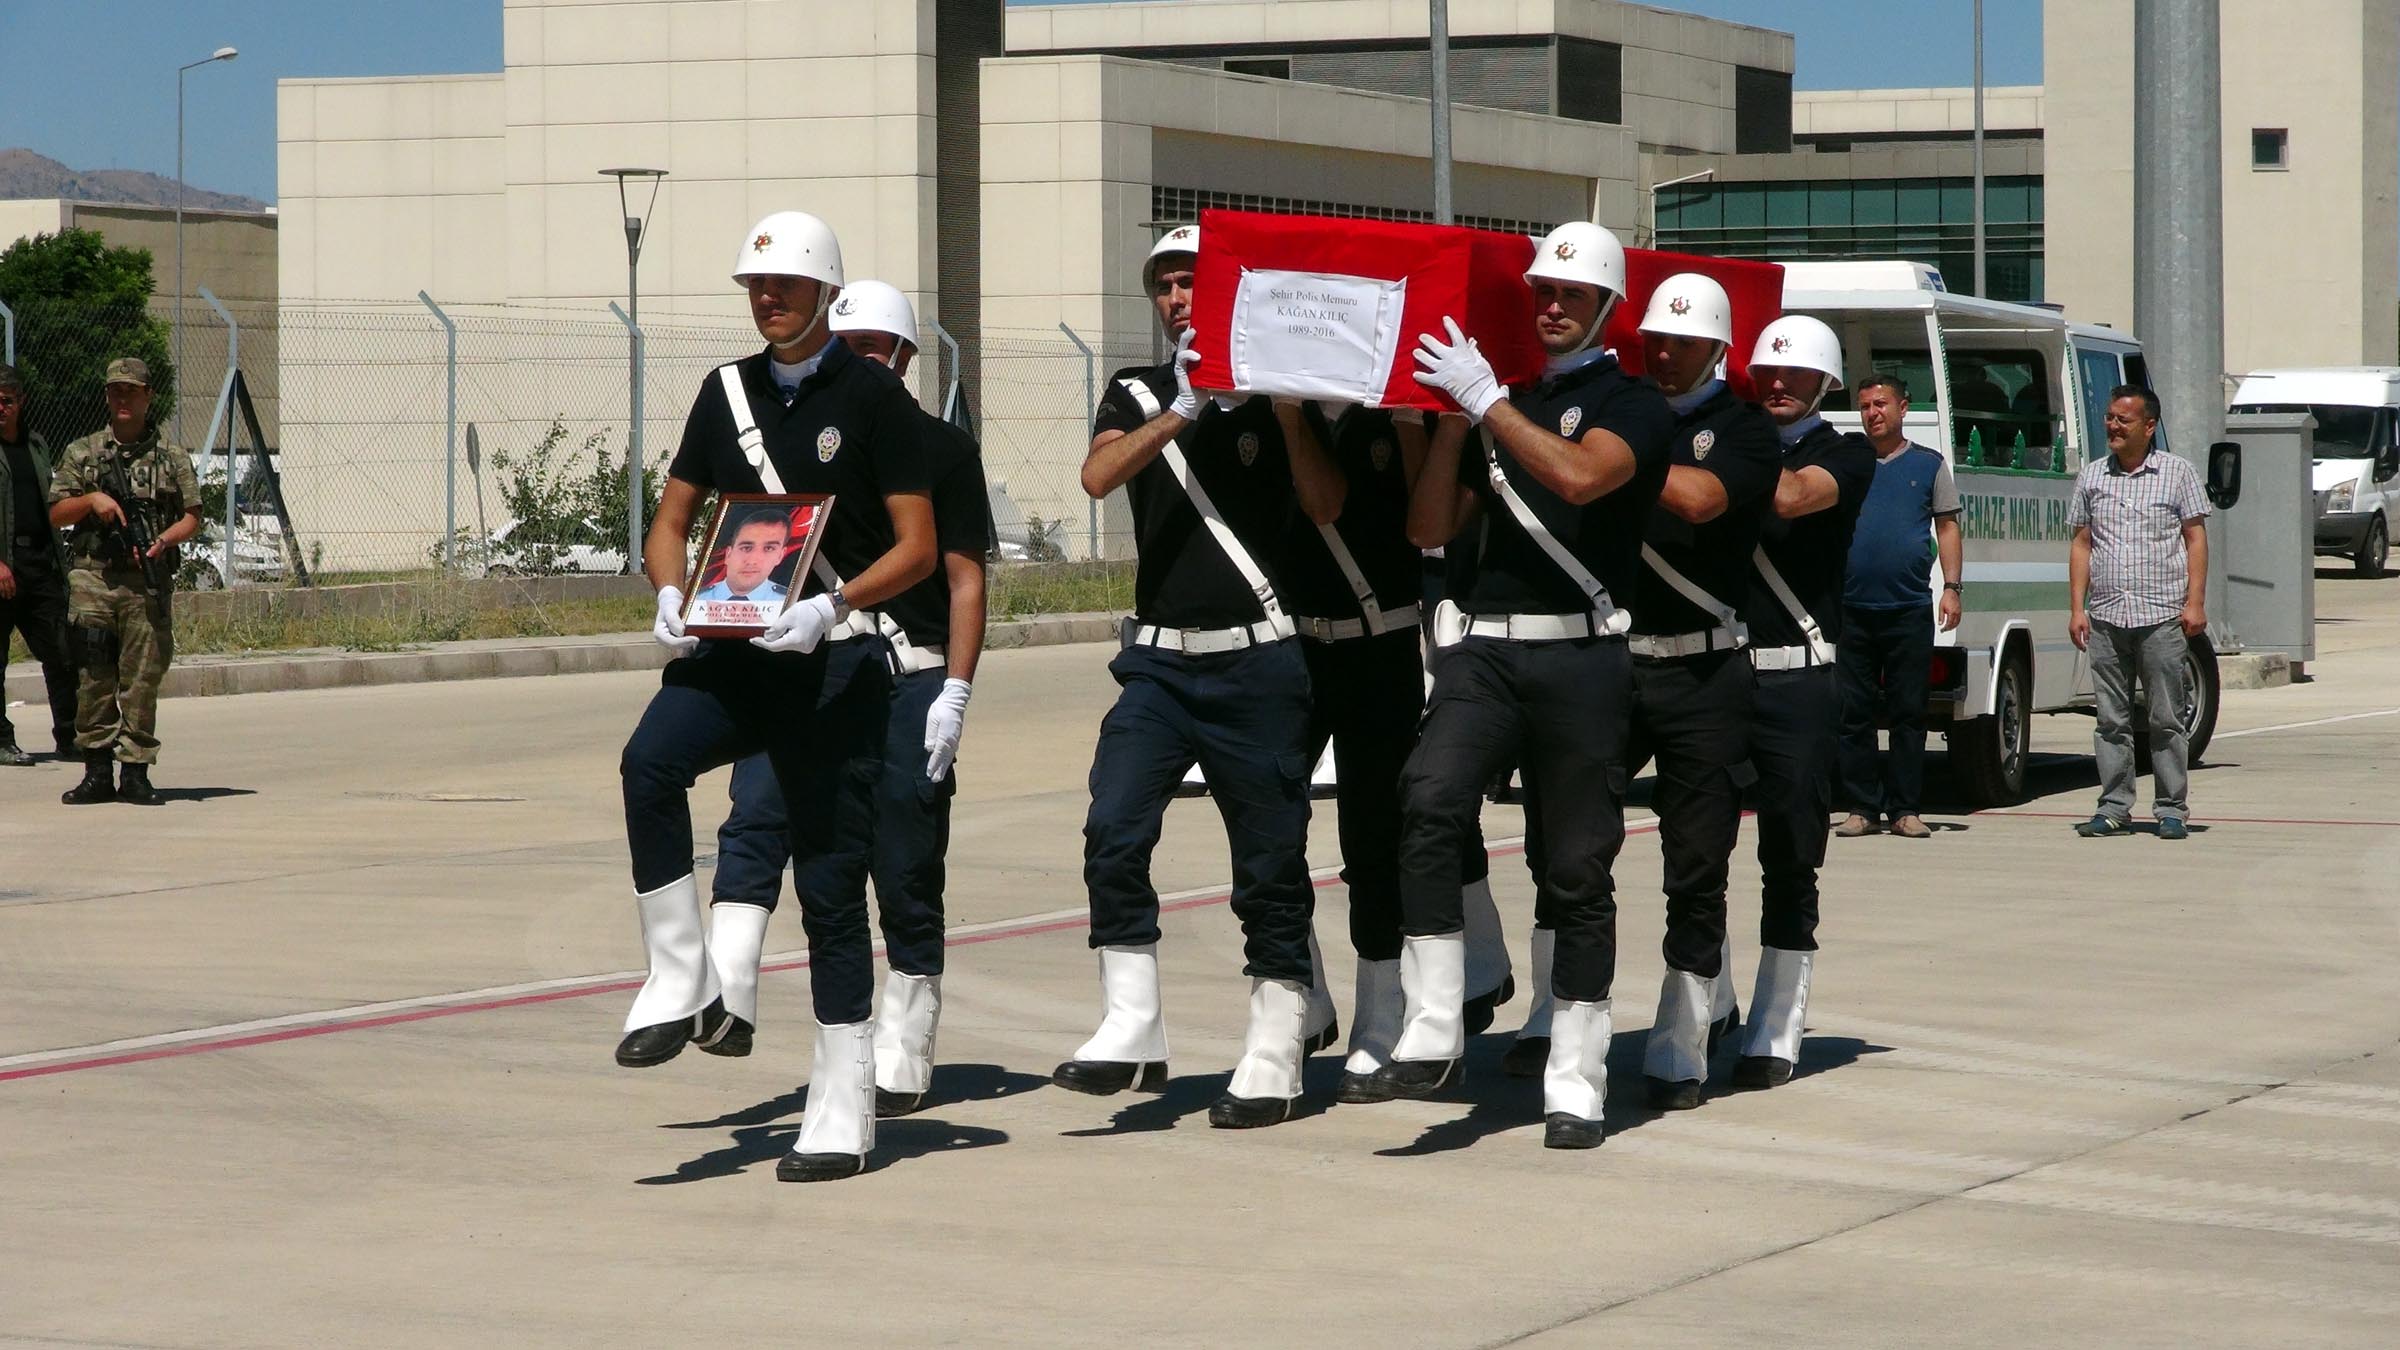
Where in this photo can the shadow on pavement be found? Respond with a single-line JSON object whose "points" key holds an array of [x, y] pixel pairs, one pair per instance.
{"points": [[765, 1131], [201, 794]]}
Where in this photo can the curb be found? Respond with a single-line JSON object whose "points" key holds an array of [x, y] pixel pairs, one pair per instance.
{"points": [[209, 676]]}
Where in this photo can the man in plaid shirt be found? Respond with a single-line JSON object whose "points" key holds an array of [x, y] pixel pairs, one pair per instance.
{"points": [[2136, 576]]}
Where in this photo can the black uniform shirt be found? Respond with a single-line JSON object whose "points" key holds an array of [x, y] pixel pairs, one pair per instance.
{"points": [[1501, 569], [1736, 441], [1373, 523], [851, 430], [1182, 579], [1810, 552], [962, 523], [29, 515]]}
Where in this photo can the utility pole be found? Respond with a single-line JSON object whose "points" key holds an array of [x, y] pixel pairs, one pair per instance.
{"points": [[1982, 280], [1439, 22]]}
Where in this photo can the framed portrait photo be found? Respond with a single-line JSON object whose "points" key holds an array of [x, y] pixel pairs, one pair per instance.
{"points": [[753, 560]]}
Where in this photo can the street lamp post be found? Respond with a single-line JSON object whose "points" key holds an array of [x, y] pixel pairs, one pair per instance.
{"points": [[635, 227], [220, 54]]}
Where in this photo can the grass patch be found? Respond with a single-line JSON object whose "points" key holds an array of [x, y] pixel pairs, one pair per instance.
{"points": [[1021, 590]]}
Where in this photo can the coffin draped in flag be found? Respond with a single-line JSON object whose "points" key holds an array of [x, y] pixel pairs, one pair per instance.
{"points": [[1330, 308], [1755, 288]]}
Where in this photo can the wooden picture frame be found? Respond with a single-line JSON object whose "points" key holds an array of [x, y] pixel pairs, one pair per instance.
{"points": [[726, 592]]}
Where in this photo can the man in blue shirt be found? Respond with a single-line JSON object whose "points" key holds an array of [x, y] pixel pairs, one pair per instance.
{"points": [[1886, 644]]}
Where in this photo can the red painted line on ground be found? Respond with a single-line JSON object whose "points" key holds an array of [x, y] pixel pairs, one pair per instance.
{"points": [[329, 1028]]}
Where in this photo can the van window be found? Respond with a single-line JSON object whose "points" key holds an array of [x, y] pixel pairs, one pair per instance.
{"points": [[2342, 432], [2000, 408], [1913, 369], [2098, 371]]}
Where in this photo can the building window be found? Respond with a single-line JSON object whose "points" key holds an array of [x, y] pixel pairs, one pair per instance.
{"points": [[2270, 148], [1273, 67], [1762, 111]]}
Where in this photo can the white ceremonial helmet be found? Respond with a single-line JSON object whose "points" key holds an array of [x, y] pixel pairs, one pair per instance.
{"points": [[790, 244], [1181, 239], [1803, 342], [875, 307], [1582, 253], [1688, 304]]}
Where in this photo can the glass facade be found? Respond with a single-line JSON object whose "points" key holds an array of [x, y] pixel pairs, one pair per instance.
{"points": [[1929, 220]]}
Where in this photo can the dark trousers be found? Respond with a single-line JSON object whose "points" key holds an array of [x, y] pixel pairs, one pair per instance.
{"points": [[1792, 745], [1368, 694], [1692, 715], [1474, 859], [820, 719], [39, 611], [1557, 710], [1243, 717], [912, 835], [1884, 661]]}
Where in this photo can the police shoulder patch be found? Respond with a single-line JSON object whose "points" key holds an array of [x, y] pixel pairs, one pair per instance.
{"points": [[1569, 420], [828, 441], [1702, 443], [1247, 447]]}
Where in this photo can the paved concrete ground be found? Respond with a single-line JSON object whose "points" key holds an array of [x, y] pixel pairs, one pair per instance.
{"points": [[2108, 1092]]}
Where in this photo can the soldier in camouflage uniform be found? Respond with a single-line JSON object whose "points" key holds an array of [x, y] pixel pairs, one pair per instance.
{"points": [[119, 618]]}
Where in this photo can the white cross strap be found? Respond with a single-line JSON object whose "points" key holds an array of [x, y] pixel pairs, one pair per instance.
{"points": [[1227, 541], [1818, 647], [1608, 619], [745, 428], [1690, 590]]}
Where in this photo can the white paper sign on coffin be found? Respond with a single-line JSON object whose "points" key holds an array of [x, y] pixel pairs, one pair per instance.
{"points": [[1316, 335]]}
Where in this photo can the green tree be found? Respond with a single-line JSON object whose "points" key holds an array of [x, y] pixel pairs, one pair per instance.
{"points": [[81, 303]]}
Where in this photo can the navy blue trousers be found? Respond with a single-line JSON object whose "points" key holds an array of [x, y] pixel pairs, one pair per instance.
{"points": [[912, 834], [1243, 717], [1794, 742], [820, 720], [1368, 695]]}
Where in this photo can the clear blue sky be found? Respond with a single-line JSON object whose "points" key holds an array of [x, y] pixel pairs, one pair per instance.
{"points": [[92, 82]]}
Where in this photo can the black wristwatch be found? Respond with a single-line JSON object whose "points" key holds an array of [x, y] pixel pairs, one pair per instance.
{"points": [[1954, 586]]}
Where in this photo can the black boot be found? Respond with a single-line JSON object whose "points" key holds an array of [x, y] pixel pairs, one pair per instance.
{"points": [[10, 755], [1480, 1009], [1248, 1113], [1723, 1027], [893, 1105], [1560, 1130], [722, 1032], [133, 785], [1525, 1057], [646, 1047], [1107, 1077], [1666, 1096], [1420, 1077], [818, 1166], [1762, 1071], [99, 781]]}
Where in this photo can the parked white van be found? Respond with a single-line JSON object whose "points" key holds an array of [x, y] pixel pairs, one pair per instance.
{"points": [[2013, 395], [2356, 472]]}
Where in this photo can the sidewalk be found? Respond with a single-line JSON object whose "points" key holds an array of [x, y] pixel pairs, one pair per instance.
{"points": [[495, 658]]}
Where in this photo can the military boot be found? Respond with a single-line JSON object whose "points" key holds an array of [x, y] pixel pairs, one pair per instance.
{"points": [[10, 755], [134, 786], [98, 783]]}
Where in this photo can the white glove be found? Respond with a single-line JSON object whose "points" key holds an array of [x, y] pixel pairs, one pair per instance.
{"points": [[800, 627], [1458, 369], [669, 628], [1187, 400], [945, 721]]}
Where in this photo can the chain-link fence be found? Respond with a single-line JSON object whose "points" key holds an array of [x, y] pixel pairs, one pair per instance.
{"points": [[381, 438]]}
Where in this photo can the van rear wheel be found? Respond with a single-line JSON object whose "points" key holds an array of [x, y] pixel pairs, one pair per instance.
{"points": [[2200, 719], [2375, 550], [1988, 755]]}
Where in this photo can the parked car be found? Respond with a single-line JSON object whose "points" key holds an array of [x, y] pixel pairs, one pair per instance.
{"points": [[583, 551]]}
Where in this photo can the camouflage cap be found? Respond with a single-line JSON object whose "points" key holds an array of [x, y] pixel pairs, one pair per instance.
{"points": [[129, 370]]}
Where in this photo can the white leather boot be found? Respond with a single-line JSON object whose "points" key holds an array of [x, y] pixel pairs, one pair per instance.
{"points": [[1433, 1033], [1374, 1031], [678, 1001], [1490, 980], [1575, 1080], [737, 940], [838, 1130], [904, 1028], [1724, 1010], [1323, 1023], [1130, 1048], [1676, 1058], [1266, 1080], [1531, 1051], [1778, 1014]]}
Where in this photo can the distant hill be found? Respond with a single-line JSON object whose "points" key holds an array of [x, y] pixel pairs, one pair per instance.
{"points": [[26, 174]]}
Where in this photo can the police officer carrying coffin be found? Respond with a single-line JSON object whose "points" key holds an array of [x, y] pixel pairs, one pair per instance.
{"points": [[1793, 609], [1692, 686], [33, 570], [935, 629], [1533, 668], [122, 619], [1210, 674], [806, 414]]}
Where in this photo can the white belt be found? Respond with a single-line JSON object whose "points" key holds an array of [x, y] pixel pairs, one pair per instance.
{"points": [[1667, 647], [1533, 627], [1341, 630], [1205, 641], [861, 623], [1786, 658], [910, 658]]}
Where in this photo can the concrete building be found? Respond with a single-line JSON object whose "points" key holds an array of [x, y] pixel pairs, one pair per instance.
{"points": [[2311, 132]]}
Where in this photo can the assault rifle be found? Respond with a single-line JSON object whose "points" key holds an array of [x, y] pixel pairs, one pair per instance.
{"points": [[133, 539]]}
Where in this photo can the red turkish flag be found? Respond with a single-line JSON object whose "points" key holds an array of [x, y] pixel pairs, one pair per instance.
{"points": [[1755, 288]]}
